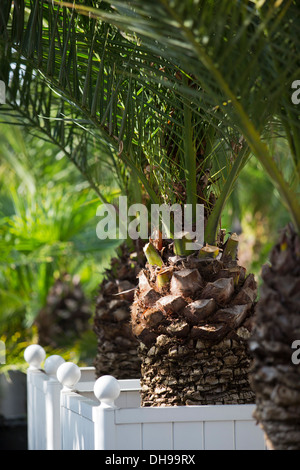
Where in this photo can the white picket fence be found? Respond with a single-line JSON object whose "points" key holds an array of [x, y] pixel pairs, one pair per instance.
{"points": [[69, 410]]}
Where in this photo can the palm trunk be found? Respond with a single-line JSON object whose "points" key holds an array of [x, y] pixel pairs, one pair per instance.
{"points": [[193, 331], [66, 314], [195, 372], [117, 347], [274, 376]]}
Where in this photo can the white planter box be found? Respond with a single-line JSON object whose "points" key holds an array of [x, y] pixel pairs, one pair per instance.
{"points": [[86, 425], [82, 414], [43, 398]]}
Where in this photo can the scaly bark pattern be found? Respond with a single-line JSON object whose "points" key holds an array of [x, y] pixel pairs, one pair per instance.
{"points": [[194, 330], [66, 314], [275, 377], [117, 347]]}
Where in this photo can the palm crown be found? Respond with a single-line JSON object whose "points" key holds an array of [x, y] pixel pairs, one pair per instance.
{"points": [[244, 57], [147, 114]]}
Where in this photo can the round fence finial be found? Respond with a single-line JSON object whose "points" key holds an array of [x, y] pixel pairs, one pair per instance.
{"points": [[52, 363], [34, 355], [107, 390], [68, 374]]}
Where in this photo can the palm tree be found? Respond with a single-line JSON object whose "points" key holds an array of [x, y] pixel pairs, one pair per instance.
{"points": [[192, 311], [245, 55]]}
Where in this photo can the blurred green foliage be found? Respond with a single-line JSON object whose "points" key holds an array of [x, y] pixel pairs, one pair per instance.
{"points": [[256, 211], [47, 228]]}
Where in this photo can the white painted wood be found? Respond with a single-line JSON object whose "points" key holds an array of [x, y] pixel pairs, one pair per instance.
{"points": [[43, 396], [77, 432], [52, 416], [42, 414], [88, 374], [188, 435], [74, 419], [186, 413], [68, 374], [105, 430], [157, 436], [34, 355], [219, 435], [177, 428], [129, 436], [107, 390], [43, 400], [128, 399], [199, 427], [248, 436]]}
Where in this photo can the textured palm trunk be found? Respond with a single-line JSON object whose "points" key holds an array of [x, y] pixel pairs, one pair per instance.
{"points": [[66, 315], [192, 317], [275, 377], [116, 345]]}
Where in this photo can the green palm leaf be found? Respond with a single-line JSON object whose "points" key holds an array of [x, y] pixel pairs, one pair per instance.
{"points": [[245, 56], [108, 88]]}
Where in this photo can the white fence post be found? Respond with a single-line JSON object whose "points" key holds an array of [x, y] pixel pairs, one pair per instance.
{"points": [[68, 375], [52, 402], [107, 390], [34, 355], [43, 399]]}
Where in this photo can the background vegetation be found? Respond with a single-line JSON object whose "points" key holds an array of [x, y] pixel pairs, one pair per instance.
{"points": [[47, 229]]}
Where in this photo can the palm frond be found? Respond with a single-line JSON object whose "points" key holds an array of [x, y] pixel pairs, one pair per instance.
{"points": [[243, 54], [143, 109]]}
